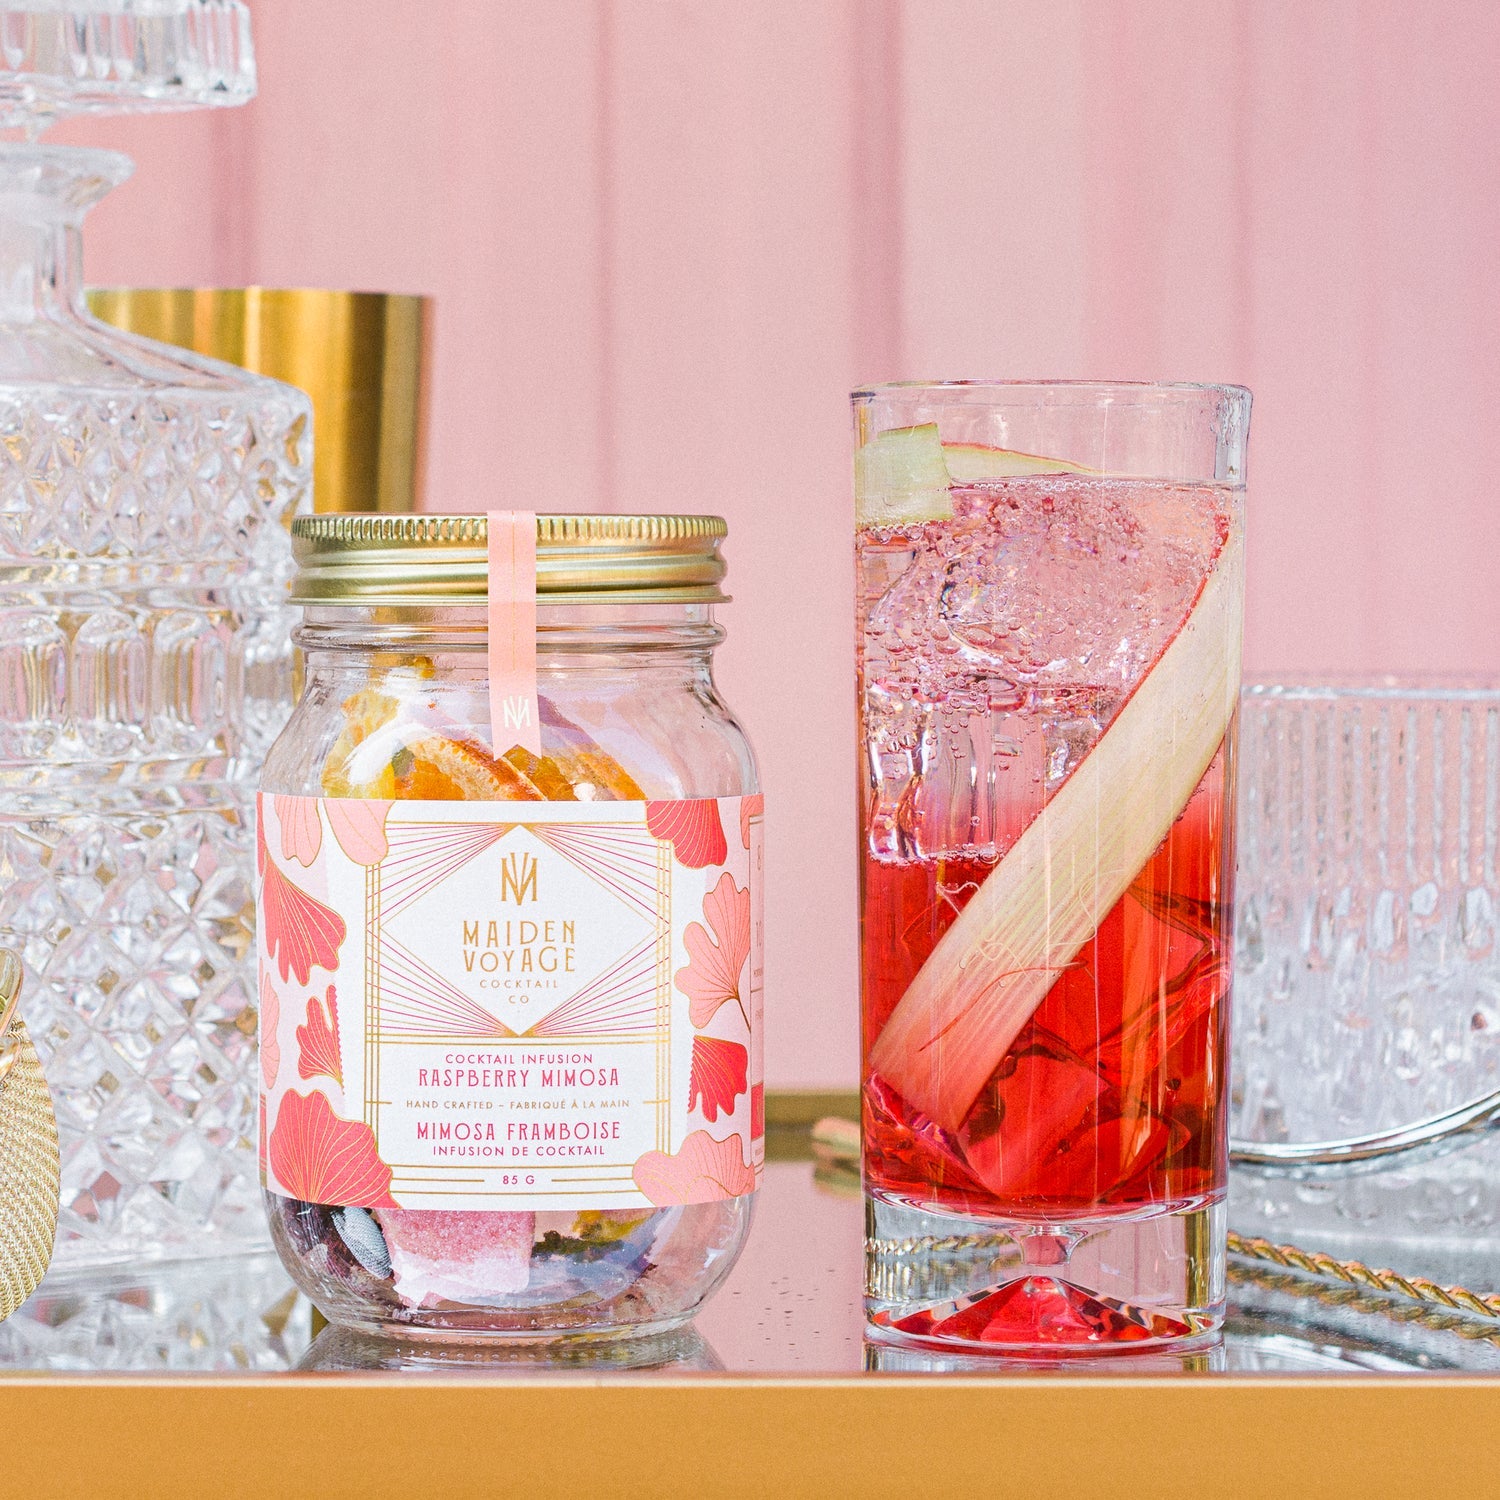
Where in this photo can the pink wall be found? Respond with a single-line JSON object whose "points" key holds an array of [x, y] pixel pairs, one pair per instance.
{"points": [[667, 237]]}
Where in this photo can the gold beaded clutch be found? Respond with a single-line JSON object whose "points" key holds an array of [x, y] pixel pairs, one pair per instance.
{"points": [[28, 1152]]}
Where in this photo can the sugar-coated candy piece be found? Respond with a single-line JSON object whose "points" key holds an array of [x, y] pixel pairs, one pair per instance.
{"points": [[451, 1255]]}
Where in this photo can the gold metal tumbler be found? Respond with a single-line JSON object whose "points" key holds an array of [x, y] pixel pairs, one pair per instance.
{"points": [[361, 356]]}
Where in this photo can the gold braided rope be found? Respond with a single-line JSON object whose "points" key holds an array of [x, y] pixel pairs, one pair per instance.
{"points": [[1373, 1304], [28, 1170], [1356, 1273]]}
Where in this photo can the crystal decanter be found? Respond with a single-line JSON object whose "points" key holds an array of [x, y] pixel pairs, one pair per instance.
{"points": [[145, 659]]}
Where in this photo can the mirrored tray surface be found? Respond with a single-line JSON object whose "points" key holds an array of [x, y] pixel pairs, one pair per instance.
{"points": [[206, 1355]]}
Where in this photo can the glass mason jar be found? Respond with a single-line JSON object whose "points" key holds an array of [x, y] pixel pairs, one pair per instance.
{"points": [[510, 1025]]}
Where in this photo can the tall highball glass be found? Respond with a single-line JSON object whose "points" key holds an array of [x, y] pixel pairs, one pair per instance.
{"points": [[1049, 591]]}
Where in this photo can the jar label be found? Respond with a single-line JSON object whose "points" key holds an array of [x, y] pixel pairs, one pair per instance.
{"points": [[510, 1005]]}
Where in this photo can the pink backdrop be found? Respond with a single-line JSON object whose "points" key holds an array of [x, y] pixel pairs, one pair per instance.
{"points": [[666, 238]]}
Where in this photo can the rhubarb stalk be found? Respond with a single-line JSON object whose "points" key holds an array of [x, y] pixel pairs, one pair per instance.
{"points": [[1054, 886]]}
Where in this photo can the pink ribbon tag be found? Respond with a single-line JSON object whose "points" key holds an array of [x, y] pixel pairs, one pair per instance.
{"points": [[514, 719]]}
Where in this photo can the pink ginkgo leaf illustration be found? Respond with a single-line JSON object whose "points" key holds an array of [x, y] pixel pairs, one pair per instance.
{"points": [[694, 829], [301, 933], [757, 1111], [270, 1018], [703, 1171], [318, 1041], [712, 977], [301, 828], [717, 1076], [320, 1158], [359, 826], [753, 806]]}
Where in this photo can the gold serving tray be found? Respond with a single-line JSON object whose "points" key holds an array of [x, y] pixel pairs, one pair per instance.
{"points": [[216, 1379]]}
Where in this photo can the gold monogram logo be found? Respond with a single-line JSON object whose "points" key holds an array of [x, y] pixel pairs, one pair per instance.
{"points": [[518, 878]]}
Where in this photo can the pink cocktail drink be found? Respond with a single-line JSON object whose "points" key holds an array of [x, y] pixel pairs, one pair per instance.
{"points": [[1046, 910]]}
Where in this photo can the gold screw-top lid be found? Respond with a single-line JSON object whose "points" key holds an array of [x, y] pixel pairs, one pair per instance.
{"points": [[368, 558]]}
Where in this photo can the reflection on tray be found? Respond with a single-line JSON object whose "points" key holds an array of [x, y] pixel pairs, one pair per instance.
{"points": [[791, 1306], [902, 1359], [681, 1351], [232, 1315], [1286, 1322]]}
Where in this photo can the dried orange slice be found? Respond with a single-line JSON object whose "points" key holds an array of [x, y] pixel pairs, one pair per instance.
{"points": [[436, 769], [543, 772], [383, 752], [592, 773], [597, 777], [577, 775]]}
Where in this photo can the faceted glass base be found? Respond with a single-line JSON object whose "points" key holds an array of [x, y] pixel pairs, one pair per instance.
{"points": [[899, 1355], [1113, 1283], [136, 930]]}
